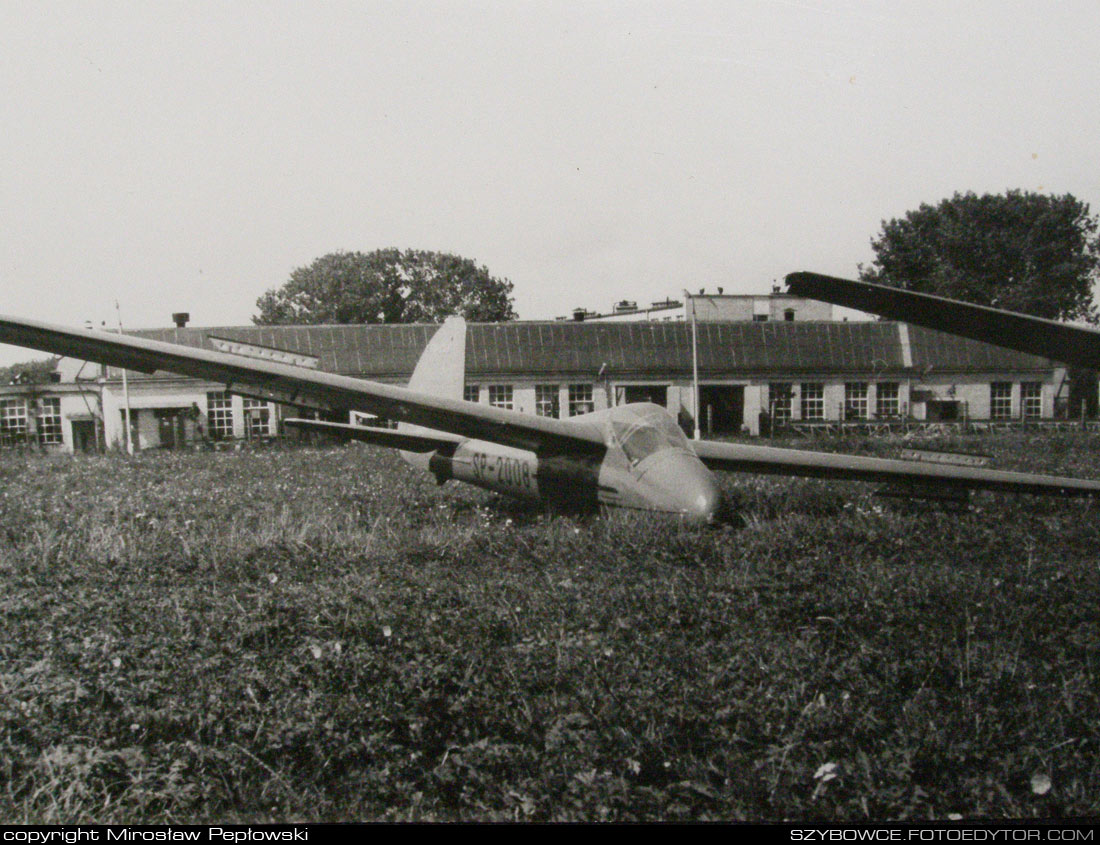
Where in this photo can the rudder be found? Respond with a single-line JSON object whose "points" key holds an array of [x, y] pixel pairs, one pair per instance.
{"points": [[441, 370]]}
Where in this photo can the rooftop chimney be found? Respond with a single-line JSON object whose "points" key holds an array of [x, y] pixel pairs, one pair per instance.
{"points": [[180, 318]]}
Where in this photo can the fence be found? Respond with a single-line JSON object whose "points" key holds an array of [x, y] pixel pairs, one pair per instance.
{"points": [[882, 428]]}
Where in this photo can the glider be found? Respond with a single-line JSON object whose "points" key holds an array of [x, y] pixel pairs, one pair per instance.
{"points": [[629, 456]]}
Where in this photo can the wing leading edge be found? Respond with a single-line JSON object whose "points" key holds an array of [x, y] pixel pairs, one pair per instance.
{"points": [[296, 384], [1074, 345], [769, 459]]}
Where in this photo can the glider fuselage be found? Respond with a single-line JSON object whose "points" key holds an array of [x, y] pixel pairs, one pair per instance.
{"points": [[645, 464]]}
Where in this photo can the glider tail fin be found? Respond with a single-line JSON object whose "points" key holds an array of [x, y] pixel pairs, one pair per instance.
{"points": [[441, 371]]}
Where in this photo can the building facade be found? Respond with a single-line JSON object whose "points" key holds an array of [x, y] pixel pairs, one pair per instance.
{"points": [[716, 307], [755, 377]]}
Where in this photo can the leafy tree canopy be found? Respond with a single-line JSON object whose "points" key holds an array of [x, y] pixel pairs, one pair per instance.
{"points": [[1033, 253], [387, 286], [29, 372]]}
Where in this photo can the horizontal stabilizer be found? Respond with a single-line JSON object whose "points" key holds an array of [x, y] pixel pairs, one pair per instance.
{"points": [[377, 436]]}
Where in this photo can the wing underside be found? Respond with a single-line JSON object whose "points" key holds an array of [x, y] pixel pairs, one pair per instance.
{"points": [[795, 462], [297, 385], [1075, 345]]}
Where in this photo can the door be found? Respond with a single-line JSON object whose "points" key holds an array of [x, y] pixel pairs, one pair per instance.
{"points": [[723, 408], [942, 410], [170, 427], [655, 393], [84, 436]]}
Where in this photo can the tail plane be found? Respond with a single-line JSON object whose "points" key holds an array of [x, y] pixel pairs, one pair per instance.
{"points": [[441, 371]]}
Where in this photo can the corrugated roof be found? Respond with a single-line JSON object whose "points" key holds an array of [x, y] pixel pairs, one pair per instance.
{"points": [[639, 349], [947, 353]]}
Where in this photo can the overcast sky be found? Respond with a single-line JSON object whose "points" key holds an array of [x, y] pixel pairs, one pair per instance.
{"points": [[188, 156]]}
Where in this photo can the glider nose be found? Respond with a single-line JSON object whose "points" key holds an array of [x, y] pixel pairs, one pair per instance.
{"points": [[681, 484]]}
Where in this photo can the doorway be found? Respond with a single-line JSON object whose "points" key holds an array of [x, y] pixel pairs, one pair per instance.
{"points": [[655, 393], [942, 410], [722, 407], [84, 436], [170, 427]]}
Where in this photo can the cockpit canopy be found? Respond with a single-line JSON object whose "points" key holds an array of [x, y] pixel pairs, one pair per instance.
{"points": [[642, 429]]}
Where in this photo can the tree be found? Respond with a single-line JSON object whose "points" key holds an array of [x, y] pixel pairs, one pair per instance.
{"points": [[1020, 251], [29, 372], [387, 286]]}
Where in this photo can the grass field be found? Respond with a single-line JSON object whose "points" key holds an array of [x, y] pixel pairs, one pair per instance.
{"points": [[326, 635]]}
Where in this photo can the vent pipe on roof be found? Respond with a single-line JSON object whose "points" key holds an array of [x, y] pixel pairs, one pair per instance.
{"points": [[180, 318]]}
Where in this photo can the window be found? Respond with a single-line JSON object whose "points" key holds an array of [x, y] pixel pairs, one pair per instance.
{"points": [[1031, 399], [580, 399], [1000, 400], [13, 421], [471, 393], [813, 400], [257, 418], [500, 396], [855, 400], [219, 415], [760, 318], [788, 315], [781, 399], [49, 420], [886, 399], [547, 403]]}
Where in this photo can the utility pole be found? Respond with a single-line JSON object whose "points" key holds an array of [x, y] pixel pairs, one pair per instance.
{"points": [[694, 359], [125, 391]]}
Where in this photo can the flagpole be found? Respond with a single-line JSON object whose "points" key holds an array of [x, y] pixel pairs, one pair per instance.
{"points": [[694, 359], [125, 391]]}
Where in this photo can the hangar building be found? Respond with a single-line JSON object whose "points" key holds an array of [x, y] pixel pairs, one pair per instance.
{"points": [[755, 376]]}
